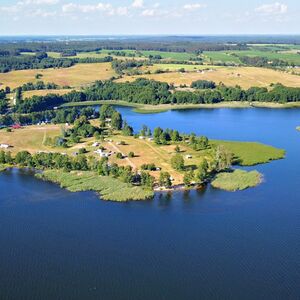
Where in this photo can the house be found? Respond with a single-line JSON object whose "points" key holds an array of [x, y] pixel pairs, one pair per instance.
{"points": [[96, 144], [98, 151], [141, 137], [150, 139], [4, 146], [188, 156], [101, 153]]}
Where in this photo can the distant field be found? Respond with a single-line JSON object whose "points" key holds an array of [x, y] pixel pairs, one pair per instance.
{"points": [[144, 54], [286, 53], [176, 67], [289, 57], [29, 94], [220, 56], [78, 75], [243, 76]]}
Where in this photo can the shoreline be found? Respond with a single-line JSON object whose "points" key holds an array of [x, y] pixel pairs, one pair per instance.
{"points": [[148, 109]]}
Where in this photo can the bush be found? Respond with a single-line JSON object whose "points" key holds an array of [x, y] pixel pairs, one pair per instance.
{"points": [[119, 155]]}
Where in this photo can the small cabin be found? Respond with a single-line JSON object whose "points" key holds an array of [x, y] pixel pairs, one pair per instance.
{"points": [[4, 146], [188, 156]]}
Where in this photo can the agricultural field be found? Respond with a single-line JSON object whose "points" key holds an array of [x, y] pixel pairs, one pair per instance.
{"points": [[245, 77], [220, 56], [75, 76], [177, 67], [29, 94], [288, 57], [138, 54]]}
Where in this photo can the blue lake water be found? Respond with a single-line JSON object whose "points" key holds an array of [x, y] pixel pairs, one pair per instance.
{"points": [[208, 244]]}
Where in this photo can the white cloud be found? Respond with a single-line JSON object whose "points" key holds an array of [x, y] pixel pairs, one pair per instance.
{"points": [[148, 13], [122, 11], [86, 8], [272, 9], [38, 2], [194, 6], [137, 3]]}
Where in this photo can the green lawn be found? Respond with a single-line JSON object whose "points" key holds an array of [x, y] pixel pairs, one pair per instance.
{"points": [[250, 153], [237, 180], [108, 187]]}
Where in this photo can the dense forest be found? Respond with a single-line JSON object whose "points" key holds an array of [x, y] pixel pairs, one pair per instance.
{"points": [[146, 91], [97, 45]]}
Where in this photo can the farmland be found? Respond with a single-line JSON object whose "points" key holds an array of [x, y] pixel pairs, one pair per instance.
{"points": [[75, 76], [245, 77]]}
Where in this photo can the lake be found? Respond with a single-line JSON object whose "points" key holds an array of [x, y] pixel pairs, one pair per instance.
{"points": [[207, 244]]}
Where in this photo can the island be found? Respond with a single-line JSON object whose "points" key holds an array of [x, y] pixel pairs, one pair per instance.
{"points": [[85, 150]]}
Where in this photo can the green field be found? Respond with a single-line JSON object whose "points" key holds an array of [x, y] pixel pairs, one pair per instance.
{"points": [[220, 56], [108, 187], [144, 54], [250, 153], [237, 180]]}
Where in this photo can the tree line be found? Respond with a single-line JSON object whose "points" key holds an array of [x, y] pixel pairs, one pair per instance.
{"points": [[146, 91], [42, 61]]}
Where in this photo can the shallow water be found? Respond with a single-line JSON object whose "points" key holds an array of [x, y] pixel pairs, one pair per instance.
{"points": [[208, 244]]}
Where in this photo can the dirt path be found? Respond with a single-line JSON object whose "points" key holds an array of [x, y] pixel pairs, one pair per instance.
{"points": [[126, 158]]}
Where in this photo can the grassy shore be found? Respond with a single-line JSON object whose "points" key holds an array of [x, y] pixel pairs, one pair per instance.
{"points": [[3, 168], [237, 180], [298, 128], [251, 153], [146, 108], [109, 188]]}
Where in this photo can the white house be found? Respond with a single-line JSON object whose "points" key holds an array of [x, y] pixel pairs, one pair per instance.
{"points": [[96, 144], [101, 153], [188, 156], [4, 146]]}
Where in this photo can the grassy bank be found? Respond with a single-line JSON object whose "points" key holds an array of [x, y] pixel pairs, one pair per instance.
{"points": [[237, 180], [146, 108], [298, 128], [108, 187], [3, 168], [251, 153]]}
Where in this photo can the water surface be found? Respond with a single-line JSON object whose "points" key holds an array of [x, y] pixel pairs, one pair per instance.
{"points": [[208, 244]]}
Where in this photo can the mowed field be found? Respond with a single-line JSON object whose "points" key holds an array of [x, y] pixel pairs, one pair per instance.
{"points": [[75, 76], [29, 138], [245, 77], [29, 94]]}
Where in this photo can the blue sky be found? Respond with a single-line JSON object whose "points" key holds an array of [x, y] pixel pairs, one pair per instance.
{"points": [[55, 17]]}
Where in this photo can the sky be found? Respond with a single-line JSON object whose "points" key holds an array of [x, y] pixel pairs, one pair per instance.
{"points": [[143, 17]]}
